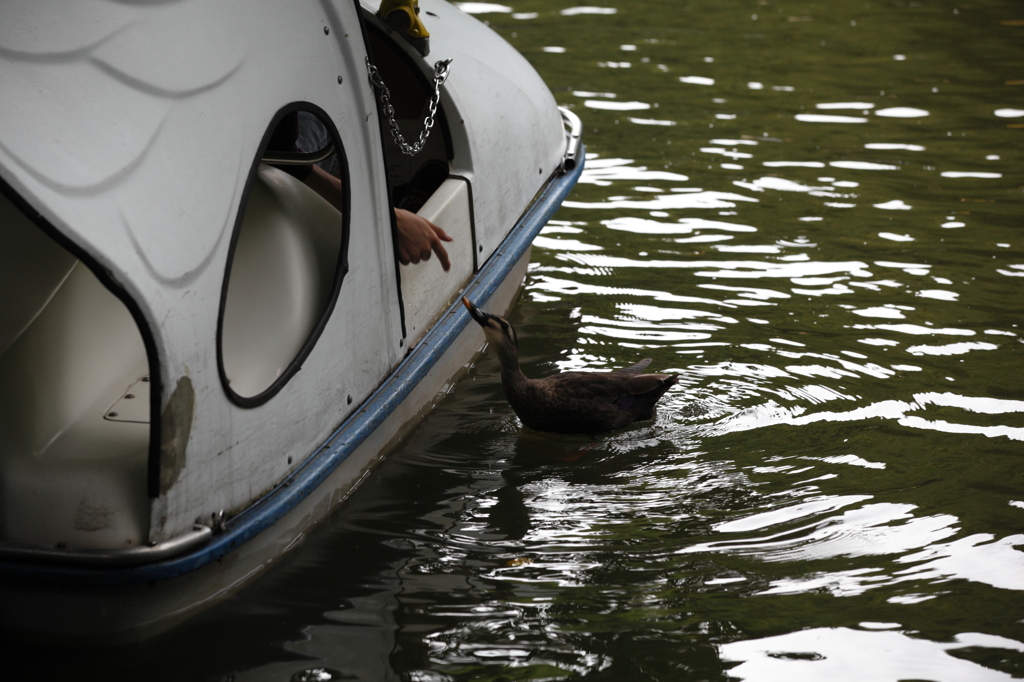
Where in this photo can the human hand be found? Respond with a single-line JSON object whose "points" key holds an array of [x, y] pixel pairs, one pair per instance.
{"points": [[417, 237]]}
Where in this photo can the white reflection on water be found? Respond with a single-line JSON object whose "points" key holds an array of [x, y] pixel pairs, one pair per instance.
{"points": [[844, 105], [602, 172], [978, 405], [615, 105], [564, 244], [587, 93], [979, 557], [565, 287], [654, 313], [746, 269], [788, 514], [559, 243], [573, 11], [771, 413], [748, 292], [875, 529], [1012, 273], [894, 146], [702, 238], [665, 202], [969, 174], [849, 459], [871, 530], [726, 152], [1010, 432], [862, 165], [938, 294], [889, 311], [894, 205], [820, 371], [747, 248], [902, 112], [976, 558], [951, 348], [657, 336], [779, 184], [682, 226], [829, 118], [794, 164], [651, 122], [482, 8], [917, 330], [909, 268], [848, 655], [638, 328], [733, 143]]}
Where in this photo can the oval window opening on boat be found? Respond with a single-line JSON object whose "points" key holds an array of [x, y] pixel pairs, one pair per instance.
{"points": [[287, 258]]}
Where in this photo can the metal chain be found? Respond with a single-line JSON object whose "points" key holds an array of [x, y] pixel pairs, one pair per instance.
{"points": [[440, 76]]}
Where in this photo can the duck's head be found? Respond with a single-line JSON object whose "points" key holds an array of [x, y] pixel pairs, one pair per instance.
{"points": [[498, 331]]}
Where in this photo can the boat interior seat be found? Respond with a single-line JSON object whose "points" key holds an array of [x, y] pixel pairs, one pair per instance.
{"points": [[32, 265], [282, 275], [69, 352]]}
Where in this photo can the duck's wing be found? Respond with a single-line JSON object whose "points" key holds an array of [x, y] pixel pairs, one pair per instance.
{"points": [[645, 383], [602, 386], [591, 388], [637, 368], [590, 402]]}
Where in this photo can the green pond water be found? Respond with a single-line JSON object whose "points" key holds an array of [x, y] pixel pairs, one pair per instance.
{"points": [[813, 213]]}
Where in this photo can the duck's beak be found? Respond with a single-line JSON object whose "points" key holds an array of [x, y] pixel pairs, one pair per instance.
{"points": [[478, 315]]}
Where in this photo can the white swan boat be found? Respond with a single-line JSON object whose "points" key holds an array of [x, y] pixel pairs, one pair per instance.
{"points": [[202, 350]]}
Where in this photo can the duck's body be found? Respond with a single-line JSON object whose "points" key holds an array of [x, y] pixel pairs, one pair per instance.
{"points": [[572, 402]]}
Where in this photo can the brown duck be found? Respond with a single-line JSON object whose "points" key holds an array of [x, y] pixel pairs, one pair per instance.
{"points": [[572, 402]]}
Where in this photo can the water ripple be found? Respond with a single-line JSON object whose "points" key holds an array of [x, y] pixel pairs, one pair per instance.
{"points": [[846, 654]]}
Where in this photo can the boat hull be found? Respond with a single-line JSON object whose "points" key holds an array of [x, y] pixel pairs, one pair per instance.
{"points": [[139, 601]]}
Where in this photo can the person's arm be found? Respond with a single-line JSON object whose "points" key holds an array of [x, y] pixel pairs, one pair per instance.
{"points": [[326, 185], [417, 237]]}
